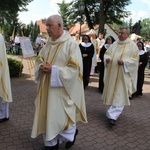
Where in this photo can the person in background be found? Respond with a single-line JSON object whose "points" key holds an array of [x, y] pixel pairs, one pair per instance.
{"points": [[77, 38], [87, 52], [45, 40], [120, 77], [38, 44], [11, 44], [109, 41], [31, 40], [5, 87], [142, 65], [92, 35], [42, 43], [101, 41], [147, 50], [134, 37], [60, 101], [17, 44]]}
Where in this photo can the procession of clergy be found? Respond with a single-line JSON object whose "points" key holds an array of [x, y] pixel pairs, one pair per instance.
{"points": [[66, 69]]}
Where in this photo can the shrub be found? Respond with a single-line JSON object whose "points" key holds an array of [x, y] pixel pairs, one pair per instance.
{"points": [[15, 67]]}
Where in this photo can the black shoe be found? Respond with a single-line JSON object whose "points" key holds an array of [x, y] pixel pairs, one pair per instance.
{"points": [[112, 122], [70, 144], [3, 120], [51, 147]]}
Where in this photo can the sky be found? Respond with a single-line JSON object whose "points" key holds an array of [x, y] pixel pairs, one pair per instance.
{"points": [[40, 9]]}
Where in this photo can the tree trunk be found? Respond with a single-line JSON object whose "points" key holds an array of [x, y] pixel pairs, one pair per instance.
{"points": [[90, 25], [102, 18]]}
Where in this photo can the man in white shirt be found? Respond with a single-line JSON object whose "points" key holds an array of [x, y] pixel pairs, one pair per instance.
{"points": [[17, 44]]}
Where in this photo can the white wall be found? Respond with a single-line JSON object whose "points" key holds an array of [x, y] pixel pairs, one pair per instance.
{"points": [[109, 32]]}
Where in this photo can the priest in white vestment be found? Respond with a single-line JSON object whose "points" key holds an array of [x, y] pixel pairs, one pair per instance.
{"points": [[92, 35], [5, 87], [60, 101], [120, 77]]}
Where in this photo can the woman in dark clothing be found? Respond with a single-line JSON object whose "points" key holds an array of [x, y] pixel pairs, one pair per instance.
{"points": [[142, 64], [109, 41], [87, 51]]}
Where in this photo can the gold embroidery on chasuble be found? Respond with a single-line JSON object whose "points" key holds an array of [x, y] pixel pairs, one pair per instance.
{"points": [[135, 56], [3, 87], [74, 63], [0, 64], [4, 90], [40, 58], [43, 86], [67, 124], [119, 66]]}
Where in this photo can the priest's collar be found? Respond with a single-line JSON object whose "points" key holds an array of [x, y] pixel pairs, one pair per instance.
{"points": [[59, 37], [65, 36], [128, 40]]}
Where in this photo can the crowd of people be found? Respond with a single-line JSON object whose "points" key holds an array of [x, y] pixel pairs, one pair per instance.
{"points": [[13, 45], [62, 72]]}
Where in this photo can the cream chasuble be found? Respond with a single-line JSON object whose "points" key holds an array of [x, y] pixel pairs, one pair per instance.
{"points": [[5, 87], [120, 81], [59, 108]]}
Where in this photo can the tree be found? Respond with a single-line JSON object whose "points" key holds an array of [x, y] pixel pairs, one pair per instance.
{"points": [[9, 11], [14, 6], [145, 31], [112, 11], [99, 12], [63, 7], [130, 24], [89, 14]]}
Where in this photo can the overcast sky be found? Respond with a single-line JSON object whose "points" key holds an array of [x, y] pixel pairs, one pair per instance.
{"points": [[39, 9]]}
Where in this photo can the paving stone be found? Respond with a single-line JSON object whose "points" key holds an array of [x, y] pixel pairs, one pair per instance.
{"points": [[132, 130]]}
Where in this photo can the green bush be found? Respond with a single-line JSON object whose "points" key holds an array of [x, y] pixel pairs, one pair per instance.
{"points": [[15, 67]]}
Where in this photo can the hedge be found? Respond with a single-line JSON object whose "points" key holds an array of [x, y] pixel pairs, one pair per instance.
{"points": [[15, 67]]}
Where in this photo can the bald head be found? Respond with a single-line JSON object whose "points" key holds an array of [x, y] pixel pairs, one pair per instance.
{"points": [[57, 19], [54, 26]]}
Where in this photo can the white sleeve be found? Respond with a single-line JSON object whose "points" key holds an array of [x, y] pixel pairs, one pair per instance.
{"points": [[55, 79], [37, 75], [125, 68]]}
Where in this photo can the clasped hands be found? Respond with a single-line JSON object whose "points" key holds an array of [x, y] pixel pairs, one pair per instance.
{"points": [[120, 62], [45, 67], [85, 55]]}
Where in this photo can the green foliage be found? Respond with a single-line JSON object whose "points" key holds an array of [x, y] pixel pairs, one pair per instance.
{"points": [[130, 24], [15, 67], [63, 8], [145, 31], [14, 5], [9, 13], [90, 14], [31, 29], [97, 12]]}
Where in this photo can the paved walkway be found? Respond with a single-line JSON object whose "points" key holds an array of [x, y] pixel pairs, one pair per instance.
{"points": [[132, 130]]}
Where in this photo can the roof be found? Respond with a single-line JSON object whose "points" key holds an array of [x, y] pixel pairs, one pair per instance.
{"points": [[84, 29], [42, 25]]}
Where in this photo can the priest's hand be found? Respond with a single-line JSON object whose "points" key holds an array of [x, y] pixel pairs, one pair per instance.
{"points": [[120, 62], [85, 55], [46, 67]]}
